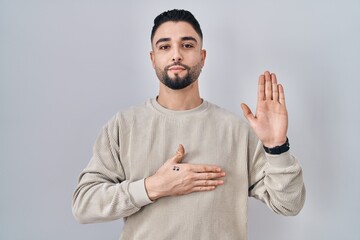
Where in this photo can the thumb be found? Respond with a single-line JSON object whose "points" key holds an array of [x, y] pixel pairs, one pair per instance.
{"points": [[247, 112], [180, 152]]}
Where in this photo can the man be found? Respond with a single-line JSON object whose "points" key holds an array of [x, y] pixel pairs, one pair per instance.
{"points": [[201, 191]]}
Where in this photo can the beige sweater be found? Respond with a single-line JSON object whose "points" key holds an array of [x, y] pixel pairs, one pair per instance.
{"points": [[136, 142]]}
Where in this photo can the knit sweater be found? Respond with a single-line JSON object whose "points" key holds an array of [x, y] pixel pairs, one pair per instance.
{"points": [[136, 142]]}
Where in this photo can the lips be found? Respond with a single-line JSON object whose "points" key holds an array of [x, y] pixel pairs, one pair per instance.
{"points": [[174, 68]]}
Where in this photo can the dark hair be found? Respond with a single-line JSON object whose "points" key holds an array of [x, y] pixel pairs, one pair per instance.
{"points": [[176, 15]]}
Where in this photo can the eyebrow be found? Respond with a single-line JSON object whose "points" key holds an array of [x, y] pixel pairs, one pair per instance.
{"points": [[187, 38]]}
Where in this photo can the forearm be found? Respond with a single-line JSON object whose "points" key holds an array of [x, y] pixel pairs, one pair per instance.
{"points": [[103, 192], [99, 201], [282, 187]]}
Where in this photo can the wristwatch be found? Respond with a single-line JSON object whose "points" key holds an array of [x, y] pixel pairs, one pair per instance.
{"points": [[278, 149]]}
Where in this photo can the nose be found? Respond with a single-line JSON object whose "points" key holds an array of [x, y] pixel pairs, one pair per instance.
{"points": [[177, 56]]}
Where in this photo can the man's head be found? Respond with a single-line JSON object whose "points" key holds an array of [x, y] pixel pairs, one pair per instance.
{"points": [[177, 53], [176, 15]]}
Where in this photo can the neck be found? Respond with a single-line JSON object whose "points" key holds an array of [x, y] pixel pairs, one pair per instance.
{"points": [[183, 99]]}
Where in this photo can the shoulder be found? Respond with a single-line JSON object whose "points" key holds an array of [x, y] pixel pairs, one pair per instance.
{"points": [[228, 123], [128, 115], [226, 119], [222, 114]]}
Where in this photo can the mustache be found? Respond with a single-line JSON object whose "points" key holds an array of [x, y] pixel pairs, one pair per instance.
{"points": [[177, 64]]}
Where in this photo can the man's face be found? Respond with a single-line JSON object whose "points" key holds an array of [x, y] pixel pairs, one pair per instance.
{"points": [[177, 54]]}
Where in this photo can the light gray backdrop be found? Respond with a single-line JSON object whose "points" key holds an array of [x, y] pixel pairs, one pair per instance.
{"points": [[67, 66]]}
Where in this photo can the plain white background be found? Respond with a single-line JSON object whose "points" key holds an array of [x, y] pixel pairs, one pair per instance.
{"points": [[67, 66]]}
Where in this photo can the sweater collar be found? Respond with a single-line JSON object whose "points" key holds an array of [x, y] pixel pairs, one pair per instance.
{"points": [[202, 107]]}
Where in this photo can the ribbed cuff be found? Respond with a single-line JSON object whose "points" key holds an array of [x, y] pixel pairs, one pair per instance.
{"points": [[138, 193], [281, 161]]}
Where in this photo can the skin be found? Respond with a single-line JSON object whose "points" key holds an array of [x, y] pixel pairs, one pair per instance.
{"points": [[176, 49], [178, 42]]}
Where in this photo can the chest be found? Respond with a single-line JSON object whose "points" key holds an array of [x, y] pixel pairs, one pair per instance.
{"points": [[149, 144]]}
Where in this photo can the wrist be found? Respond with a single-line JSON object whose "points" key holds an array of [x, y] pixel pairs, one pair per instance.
{"points": [[278, 149], [138, 193], [151, 189], [274, 142]]}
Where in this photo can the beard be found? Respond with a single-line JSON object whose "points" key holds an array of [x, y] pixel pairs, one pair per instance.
{"points": [[178, 82]]}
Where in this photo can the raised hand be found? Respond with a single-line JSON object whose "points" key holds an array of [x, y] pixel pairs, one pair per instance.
{"points": [[175, 178], [270, 122]]}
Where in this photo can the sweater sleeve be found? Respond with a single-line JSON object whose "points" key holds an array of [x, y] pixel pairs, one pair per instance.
{"points": [[276, 180], [103, 193]]}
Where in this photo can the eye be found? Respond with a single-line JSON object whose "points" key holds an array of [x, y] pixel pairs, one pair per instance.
{"points": [[188, 45], [164, 47]]}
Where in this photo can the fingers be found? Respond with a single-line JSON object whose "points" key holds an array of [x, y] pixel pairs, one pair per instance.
{"points": [[274, 87], [202, 172], [209, 182], [203, 188], [261, 88], [207, 176], [281, 94], [180, 152], [203, 168], [247, 112], [268, 86], [269, 89], [206, 185]]}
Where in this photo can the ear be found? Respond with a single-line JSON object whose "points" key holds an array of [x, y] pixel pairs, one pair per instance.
{"points": [[152, 58], [203, 56]]}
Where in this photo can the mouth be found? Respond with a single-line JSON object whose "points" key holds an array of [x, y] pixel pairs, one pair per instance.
{"points": [[176, 69]]}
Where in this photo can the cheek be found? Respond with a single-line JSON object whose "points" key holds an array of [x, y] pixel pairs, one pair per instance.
{"points": [[156, 64], [197, 60], [159, 63]]}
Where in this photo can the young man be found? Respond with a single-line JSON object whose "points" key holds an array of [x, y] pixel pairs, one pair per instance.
{"points": [[201, 191]]}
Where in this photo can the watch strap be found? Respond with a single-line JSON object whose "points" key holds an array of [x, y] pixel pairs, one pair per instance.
{"points": [[278, 149]]}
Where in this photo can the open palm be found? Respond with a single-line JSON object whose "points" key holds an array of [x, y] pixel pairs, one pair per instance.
{"points": [[270, 121]]}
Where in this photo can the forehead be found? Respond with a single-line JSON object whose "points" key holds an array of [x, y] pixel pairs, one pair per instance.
{"points": [[175, 31]]}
